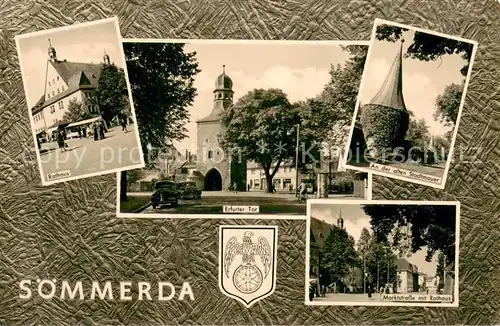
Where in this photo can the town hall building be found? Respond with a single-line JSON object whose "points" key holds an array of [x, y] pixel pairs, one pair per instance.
{"points": [[218, 170], [65, 81]]}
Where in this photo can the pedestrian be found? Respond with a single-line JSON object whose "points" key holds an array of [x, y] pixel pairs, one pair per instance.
{"points": [[124, 125], [79, 133], [311, 292], [235, 187], [302, 191], [60, 141], [248, 187], [101, 130], [96, 134]]}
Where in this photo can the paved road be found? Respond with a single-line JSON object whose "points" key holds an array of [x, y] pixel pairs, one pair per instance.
{"points": [[83, 156]]}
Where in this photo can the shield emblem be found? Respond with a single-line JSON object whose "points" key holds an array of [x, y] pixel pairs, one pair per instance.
{"points": [[247, 262]]}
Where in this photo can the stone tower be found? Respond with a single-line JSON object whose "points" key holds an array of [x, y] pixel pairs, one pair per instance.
{"points": [[217, 168], [340, 221]]}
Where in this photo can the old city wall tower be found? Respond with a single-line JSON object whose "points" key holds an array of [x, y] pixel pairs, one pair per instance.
{"points": [[216, 167]]}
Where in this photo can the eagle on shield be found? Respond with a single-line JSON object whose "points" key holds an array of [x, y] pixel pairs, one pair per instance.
{"points": [[248, 277]]}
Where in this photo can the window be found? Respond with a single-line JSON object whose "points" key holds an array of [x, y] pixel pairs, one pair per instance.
{"points": [[53, 93], [210, 154], [58, 91], [57, 77], [49, 83], [184, 170], [62, 88], [74, 98], [218, 153], [48, 95], [52, 109], [53, 81], [62, 104]]}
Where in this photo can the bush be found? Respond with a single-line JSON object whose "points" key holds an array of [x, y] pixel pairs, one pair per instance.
{"points": [[384, 128], [341, 185]]}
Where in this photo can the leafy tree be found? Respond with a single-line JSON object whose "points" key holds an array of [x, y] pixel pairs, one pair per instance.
{"points": [[379, 260], [338, 99], [427, 47], [430, 226], [134, 176], [260, 127], [442, 147], [162, 83], [418, 133], [338, 254], [75, 112], [448, 104], [111, 92]]}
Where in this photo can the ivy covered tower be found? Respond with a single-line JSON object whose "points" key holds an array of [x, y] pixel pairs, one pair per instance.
{"points": [[385, 119]]}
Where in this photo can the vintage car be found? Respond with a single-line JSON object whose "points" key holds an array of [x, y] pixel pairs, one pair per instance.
{"points": [[188, 190], [165, 193]]}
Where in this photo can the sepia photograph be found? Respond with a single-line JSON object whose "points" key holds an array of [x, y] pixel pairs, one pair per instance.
{"points": [[241, 127], [382, 253], [409, 104], [79, 101]]}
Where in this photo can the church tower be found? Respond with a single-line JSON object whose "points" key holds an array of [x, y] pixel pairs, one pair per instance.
{"points": [[105, 58], [52, 53], [340, 221]]}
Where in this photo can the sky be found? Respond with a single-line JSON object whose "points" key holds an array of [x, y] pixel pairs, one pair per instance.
{"points": [[355, 220], [76, 44], [301, 70], [422, 81]]}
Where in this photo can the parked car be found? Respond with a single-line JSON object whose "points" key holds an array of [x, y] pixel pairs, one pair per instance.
{"points": [[188, 190], [165, 193]]}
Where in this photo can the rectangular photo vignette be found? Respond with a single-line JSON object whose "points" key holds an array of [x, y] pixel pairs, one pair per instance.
{"points": [[247, 134], [79, 101], [382, 253], [409, 104]]}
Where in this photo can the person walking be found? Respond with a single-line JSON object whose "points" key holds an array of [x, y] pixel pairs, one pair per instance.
{"points": [[124, 124], [101, 130], [60, 141], [302, 191], [235, 187], [96, 134]]}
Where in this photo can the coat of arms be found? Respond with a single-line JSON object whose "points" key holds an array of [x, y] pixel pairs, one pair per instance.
{"points": [[247, 267]]}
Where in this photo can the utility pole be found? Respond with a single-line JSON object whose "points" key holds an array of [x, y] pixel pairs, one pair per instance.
{"points": [[297, 191]]}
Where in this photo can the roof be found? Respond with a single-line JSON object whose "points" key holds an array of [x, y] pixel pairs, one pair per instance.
{"points": [[391, 92], [403, 265], [320, 230], [212, 117], [76, 75], [223, 81], [74, 124]]}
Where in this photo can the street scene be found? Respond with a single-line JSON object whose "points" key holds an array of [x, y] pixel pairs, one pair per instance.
{"points": [[410, 100], [352, 260], [257, 132], [81, 115]]}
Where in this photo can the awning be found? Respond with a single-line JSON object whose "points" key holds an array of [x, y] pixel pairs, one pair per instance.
{"points": [[83, 122]]}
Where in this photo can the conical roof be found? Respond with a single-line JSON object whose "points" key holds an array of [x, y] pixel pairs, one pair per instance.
{"points": [[391, 92]]}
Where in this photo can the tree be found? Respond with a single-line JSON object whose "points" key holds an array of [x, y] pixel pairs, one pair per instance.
{"points": [[111, 92], [418, 133], [134, 176], [427, 47], [377, 258], [442, 147], [338, 99], [430, 226], [260, 127], [162, 83], [75, 112], [448, 104], [338, 254]]}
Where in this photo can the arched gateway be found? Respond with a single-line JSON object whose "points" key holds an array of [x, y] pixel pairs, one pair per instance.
{"points": [[213, 180]]}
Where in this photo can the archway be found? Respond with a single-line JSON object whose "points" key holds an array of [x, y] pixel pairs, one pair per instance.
{"points": [[213, 180]]}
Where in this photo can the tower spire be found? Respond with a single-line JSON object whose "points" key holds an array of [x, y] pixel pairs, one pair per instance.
{"points": [[223, 69], [391, 92], [52, 52]]}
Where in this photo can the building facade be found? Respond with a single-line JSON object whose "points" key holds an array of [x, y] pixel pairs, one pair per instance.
{"points": [[65, 82], [407, 276], [218, 169]]}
